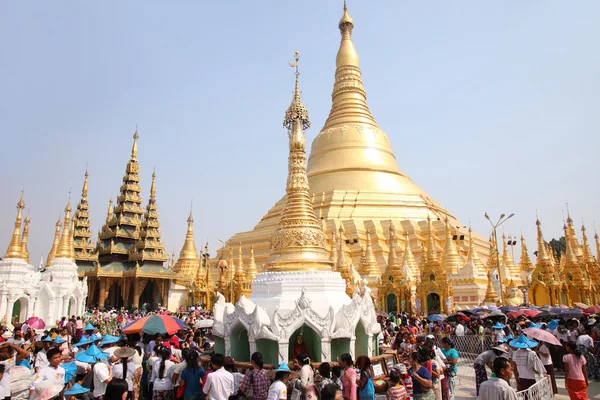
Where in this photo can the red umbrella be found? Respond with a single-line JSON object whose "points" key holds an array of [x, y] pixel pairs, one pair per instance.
{"points": [[514, 314], [540, 334], [531, 313], [592, 310], [462, 316], [154, 324]]}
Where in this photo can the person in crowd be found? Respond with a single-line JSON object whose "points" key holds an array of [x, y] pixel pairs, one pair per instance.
{"points": [[460, 329], [336, 376], [124, 368], [585, 344], [53, 372], [229, 365], [526, 361], [307, 377], [219, 383], [348, 377], [451, 360], [331, 392], [324, 373], [192, 377], [256, 378], [543, 352], [366, 388], [278, 389], [486, 359], [77, 392], [162, 373], [421, 378], [396, 391], [498, 387], [576, 377], [117, 389]]}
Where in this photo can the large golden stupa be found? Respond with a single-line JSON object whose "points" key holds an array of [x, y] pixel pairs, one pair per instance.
{"points": [[356, 183]]}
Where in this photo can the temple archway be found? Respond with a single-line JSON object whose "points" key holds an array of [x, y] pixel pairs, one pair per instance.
{"points": [[269, 350], [361, 342], [433, 303], [115, 297], [151, 296], [240, 346], [391, 302], [19, 310], [311, 343]]}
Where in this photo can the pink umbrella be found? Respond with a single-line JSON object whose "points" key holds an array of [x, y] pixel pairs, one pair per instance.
{"points": [[36, 323], [540, 334], [531, 313], [564, 307]]}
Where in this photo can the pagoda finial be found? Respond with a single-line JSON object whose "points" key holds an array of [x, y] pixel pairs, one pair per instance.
{"points": [[587, 252], [451, 260], [188, 251], [134, 148], [296, 111], [251, 271], [431, 251], [84, 190], [346, 22], [473, 255], [153, 188], [570, 257], [525, 263], [542, 250], [308, 250], [239, 271], [110, 210], [25, 238], [14, 248], [409, 258], [52, 252], [64, 245]]}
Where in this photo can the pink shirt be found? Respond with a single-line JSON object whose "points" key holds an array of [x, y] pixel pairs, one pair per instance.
{"points": [[575, 366], [349, 384], [79, 324]]}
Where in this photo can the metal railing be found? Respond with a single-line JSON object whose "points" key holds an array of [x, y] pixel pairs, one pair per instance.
{"points": [[541, 390]]}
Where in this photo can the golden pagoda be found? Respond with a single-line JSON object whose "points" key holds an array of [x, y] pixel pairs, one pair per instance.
{"points": [[52, 252], [574, 273], [451, 261], [241, 285], [86, 255], [590, 265], [131, 255], [25, 238], [188, 263], [65, 245], [353, 178], [508, 262], [15, 247], [251, 271]]}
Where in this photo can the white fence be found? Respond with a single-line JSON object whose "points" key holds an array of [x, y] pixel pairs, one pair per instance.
{"points": [[542, 390]]}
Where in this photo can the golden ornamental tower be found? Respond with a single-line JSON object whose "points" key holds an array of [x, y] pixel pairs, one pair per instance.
{"points": [[409, 264], [52, 252], [122, 228], [508, 261], [525, 264], [188, 264], [25, 238], [576, 247], [149, 247], [299, 243], [574, 274], [473, 255], [251, 271], [546, 285], [393, 270], [64, 248], [451, 260], [333, 255], [15, 250], [85, 252], [368, 267], [591, 266]]}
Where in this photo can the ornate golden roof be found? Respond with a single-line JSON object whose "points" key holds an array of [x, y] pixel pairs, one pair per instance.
{"points": [[52, 252], [299, 242], [525, 263], [24, 239], [149, 246], [451, 260], [188, 263], [64, 249], [14, 247], [83, 245]]}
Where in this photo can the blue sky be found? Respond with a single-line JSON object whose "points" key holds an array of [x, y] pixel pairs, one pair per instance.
{"points": [[490, 106]]}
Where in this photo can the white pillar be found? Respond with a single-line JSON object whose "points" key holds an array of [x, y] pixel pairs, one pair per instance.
{"points": [[228, 346], [326, 349], [3, 305], [54, 310], [65, 309], [353, 347], [252, 343], [283, 352], [370, 346], [30, 306]]}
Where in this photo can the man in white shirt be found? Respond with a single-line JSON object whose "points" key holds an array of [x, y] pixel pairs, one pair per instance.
{"points": [[219, 384], [498, 388], [102, 377], [460, 329], [528, 365], [53, 372]]}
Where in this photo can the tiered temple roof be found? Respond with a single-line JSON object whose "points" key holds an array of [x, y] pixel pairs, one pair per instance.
{"points": [[85, 250]]}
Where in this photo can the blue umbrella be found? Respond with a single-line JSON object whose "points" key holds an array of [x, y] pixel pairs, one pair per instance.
{"points": [[435, 318]]}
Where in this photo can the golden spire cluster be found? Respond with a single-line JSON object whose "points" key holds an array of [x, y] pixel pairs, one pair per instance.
{"points": [[393, 268], [52, 252], [299, 242]]}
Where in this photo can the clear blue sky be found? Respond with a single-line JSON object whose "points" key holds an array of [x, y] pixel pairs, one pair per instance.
{"points": [[490, 106]]}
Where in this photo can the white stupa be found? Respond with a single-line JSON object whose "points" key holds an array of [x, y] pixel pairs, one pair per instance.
{"points": [[51, 293], [299, 294]]}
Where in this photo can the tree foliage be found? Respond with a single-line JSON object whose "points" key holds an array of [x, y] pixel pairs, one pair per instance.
{"points": [[558, 246]]}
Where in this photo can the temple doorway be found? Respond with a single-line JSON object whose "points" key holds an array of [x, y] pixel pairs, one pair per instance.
{"points": [[339, 347], [305, 340], [19, 311], [391, 303], [115, 297], [72, 307], [269, 349], [361, 343], [151, 296], [240, 346], [433, 303]]}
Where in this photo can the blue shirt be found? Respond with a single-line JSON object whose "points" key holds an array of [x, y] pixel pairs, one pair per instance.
{"points": [[192, 381], [451, 353], [423, 373]]}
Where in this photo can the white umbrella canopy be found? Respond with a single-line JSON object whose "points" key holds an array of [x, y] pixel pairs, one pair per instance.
{"points": [[204, 323]]}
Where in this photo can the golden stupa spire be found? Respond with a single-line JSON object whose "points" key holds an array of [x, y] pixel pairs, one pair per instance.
{"points": [[84, 190], [570, 257], [109, 214], [409, 258], [299, 243], [333, 256], [507, 259], [134, 148], [153, 189], [239, 270], [473, 255], [432, 255], [393, 268], [231, 263], [525, 263], [52, 253], [572, 237], [342, 265], [542, 249], [25, 238], [188, 262], [64, 249], [451, 260], [83, 247], [251, 271], [369, 267], [14, 248], [587, 252]]}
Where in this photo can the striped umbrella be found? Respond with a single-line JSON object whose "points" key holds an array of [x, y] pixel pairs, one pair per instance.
{"points": [[155, 324]]}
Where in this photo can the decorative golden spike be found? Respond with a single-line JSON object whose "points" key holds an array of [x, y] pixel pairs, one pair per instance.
{"points": [[188, 251], [393, 268], [64, 245], [84, 190], [333, 254], [587, 252], [251, 271], [52, 253], [134, 148], [109, 214], [572, 237], [308, 250], [431, 250], [473, 255], [507, 259], [409, 258], [525, 263], [14, 248], [342, 266], [24, 239], [152, 199], [570, 257], [542, 250], [239, 271], [370, 268], [451, 260]]}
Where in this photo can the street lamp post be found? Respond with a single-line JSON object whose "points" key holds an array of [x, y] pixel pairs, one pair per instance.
{"points": [[503, 218]]}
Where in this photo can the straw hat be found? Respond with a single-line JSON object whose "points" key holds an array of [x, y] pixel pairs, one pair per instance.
{"points": [[46, 390], [124, 352]]}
